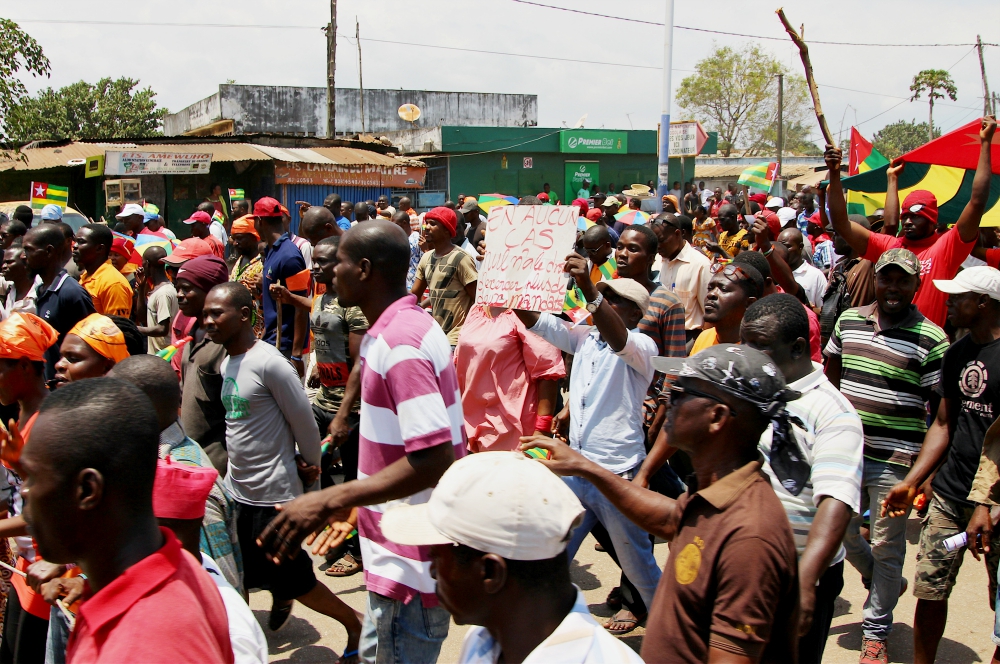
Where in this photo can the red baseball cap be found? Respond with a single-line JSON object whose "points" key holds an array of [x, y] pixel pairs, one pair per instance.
{"points": [[773, 223], [267, 207], [445, 216], [921, 202], [543, 197], [203, 217], [188, 249], [123, 247]]}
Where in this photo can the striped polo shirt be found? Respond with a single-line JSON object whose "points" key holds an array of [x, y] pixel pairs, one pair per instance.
{"points": [[830, 440], [888, 375], [409, 402]]}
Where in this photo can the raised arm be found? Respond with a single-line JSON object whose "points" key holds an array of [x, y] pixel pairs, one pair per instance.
{"points": [[968, 221], [856, 235], [608, 323], [647, 509], [890, 219]]}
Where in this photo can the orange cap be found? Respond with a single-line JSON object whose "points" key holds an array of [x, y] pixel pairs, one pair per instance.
{"points": [[26, 335], [244, 225], [101, 334]]}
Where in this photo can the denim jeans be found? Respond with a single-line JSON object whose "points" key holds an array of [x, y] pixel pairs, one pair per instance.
{"points": [[395, 632], [881, 562], [635, 551], [58, 638]]}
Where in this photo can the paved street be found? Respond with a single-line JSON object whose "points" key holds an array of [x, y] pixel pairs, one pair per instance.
{"points": [[309, 637]]}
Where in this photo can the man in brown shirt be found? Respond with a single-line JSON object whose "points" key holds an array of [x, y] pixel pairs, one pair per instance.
{"points": [[729, 589]]}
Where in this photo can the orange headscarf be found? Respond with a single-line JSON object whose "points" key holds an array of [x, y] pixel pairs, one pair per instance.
{"points": [[244, 225], [101, 334], [25, 335]]}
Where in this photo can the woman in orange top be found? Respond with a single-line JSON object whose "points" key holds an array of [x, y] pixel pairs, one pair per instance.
{"points": [[24, 338]]}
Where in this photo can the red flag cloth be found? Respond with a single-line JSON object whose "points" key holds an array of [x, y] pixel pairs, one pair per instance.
{"points": [[959, 149], [860, 149]]}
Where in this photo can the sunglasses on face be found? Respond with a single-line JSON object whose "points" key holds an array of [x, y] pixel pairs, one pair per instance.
{"points": [[593, 251], [678, 394]]}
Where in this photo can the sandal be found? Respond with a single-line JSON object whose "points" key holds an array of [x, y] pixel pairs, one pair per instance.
{"points": [[614, 600], [349, 657], [626, 619], [346, 566]]}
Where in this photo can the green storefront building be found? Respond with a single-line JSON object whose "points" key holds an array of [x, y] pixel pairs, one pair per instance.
{"points": [[518, 161]]}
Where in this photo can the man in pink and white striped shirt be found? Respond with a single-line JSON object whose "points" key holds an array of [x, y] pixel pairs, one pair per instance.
{"points": [[411, 431]]}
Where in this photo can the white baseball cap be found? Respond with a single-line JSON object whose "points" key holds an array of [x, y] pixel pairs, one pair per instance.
{"points": [[129, 210], [785, 215], [495, 502], [51, 212], [630, 289], [980, 279], [775, 203]]}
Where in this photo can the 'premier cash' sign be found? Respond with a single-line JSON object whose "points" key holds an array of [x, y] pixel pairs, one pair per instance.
{"points": [[593, 141]]}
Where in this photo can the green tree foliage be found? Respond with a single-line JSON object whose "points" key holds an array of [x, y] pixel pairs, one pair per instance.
{"points": [[108, 109], [937, 84], [900, 137], [18, 53], [735, 92]]}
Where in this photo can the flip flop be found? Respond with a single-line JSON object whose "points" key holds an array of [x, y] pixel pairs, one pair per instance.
{"points": [[630, 623], [346, 566], [349, 657]]}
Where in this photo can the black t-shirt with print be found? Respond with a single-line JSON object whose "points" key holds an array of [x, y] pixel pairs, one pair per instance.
{"points": [[970, 379]]}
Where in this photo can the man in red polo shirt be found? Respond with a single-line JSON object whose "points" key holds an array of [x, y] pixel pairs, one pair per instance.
{"points": [[91, 489], [940, 254]]}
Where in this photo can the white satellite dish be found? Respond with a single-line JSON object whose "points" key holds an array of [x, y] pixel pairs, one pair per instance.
{"points": [[76, 162], [409, 112], [579, 123]]}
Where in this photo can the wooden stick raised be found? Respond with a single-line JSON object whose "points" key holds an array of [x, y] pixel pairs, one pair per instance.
{"points": [[813, 90]]}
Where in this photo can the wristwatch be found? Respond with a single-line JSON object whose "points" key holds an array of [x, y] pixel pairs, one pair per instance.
{"points": [[592, 306]]}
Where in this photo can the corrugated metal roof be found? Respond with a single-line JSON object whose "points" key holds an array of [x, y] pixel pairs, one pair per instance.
{"points": [[55, 157], [787, 170], [294, 155], [355, 156]]}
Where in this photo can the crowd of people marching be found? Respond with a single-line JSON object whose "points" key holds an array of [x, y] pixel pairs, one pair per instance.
{"points": [[770, 388]]}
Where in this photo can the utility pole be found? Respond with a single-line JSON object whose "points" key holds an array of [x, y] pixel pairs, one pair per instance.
{"points": [[663, 170], [781, 123], [982, 70], [361, 82], [331, 65]]}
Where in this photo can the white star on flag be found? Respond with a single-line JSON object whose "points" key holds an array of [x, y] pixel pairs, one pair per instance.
{"points": [[40, 191]]}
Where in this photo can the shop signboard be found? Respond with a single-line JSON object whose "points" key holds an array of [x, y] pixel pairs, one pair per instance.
{"points": [[686, 139], [157, 163], [593, 141], [340, 175]]}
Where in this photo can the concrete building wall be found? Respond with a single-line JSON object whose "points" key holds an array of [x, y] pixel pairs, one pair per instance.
{"points": [[302, 110]]}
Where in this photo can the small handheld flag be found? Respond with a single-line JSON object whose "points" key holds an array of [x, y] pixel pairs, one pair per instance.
{"points": [[760, 176], [864, 157], [236, 195], [43, 194]]}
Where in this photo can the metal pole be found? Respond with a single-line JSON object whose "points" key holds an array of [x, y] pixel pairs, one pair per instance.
{"points": [[781, 124], [663, 171], [331, 66], [982, 70], [361, 83]]}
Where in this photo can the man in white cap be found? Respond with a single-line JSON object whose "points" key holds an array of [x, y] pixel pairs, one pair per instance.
{"points": [[775, 203], [503, 572], [970, 402], [132, 216], [51, 213], [613, 362]]}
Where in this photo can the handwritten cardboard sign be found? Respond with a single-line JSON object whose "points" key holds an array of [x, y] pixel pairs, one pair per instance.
{"points": [[526, 249]]}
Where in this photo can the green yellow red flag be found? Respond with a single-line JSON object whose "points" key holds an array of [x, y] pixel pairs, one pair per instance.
{"points": [[760, 176], [43, 194]]}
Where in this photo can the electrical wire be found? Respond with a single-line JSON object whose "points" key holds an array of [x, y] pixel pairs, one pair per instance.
{"points": [[162, 24], [732, 34]]}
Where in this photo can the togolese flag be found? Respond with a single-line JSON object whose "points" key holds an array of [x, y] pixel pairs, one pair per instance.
{"points": [[44, 194], [864, 157], [760, 176]]}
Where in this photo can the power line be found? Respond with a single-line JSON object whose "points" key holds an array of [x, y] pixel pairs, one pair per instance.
{"points": [[161, 24], [730, 34]]}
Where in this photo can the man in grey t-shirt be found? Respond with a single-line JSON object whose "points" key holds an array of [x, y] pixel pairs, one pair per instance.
{"points": [[267, 416]]}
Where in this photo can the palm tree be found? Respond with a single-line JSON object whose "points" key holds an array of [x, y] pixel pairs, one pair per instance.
{"points": [[938, 84]]}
